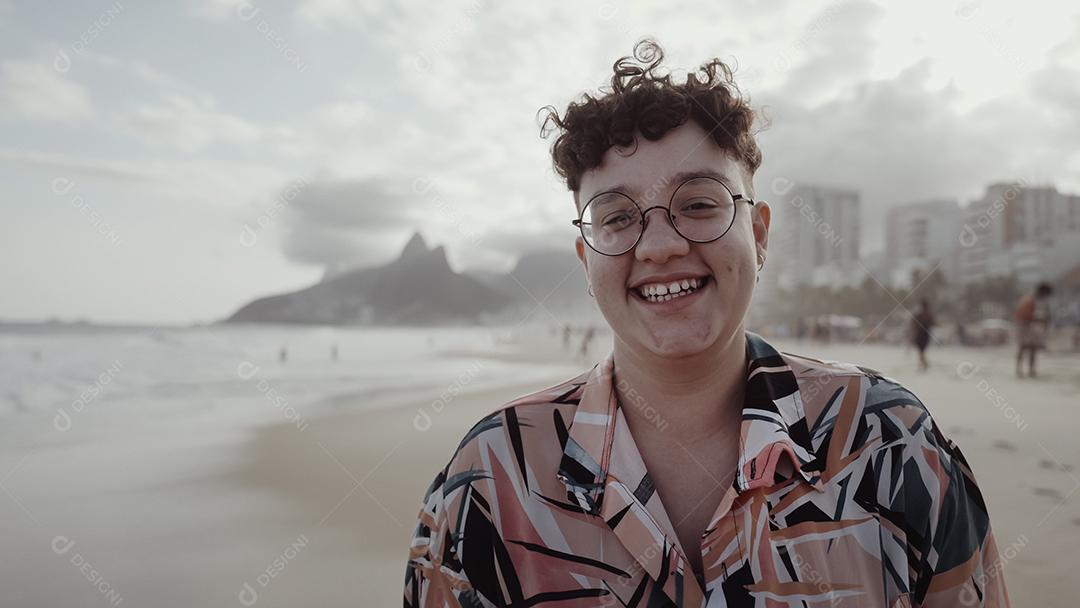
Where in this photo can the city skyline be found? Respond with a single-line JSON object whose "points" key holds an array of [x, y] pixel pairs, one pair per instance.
{"points": [[1029, 231]]}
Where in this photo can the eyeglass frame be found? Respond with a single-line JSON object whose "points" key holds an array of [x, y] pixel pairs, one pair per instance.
{"points": [[735, 198]]}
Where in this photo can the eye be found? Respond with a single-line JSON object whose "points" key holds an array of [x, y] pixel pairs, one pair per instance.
{"points": [[699, 206], [618, 220]]}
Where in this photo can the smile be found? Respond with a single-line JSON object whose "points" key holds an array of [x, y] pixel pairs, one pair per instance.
{"points": [[674, 290]]}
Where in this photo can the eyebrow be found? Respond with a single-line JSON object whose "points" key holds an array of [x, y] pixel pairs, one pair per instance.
{"points": [[677, 179]]}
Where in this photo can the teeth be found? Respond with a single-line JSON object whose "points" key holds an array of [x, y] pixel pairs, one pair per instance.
{"points": [[659, 292]]}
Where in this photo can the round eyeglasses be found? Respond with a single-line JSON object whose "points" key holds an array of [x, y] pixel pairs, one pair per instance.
{"points": [[701, 209]]}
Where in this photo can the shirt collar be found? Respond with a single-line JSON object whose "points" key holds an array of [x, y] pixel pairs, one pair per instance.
{"points": [[775, 441]]}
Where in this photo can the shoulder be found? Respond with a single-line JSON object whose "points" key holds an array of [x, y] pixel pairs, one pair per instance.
{"points": [[501, 472], [515, 446], [849, 407], [919, 472], [915, 478]]}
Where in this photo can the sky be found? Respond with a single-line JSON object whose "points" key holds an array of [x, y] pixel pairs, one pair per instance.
{"points": [[169, 162]]}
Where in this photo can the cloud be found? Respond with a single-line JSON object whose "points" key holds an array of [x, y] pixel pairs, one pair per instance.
{"points": [[188, 124], [213, 182], [35, 91], [329, 13], [146, 74], [95, 167], [168, 113], [217, 10], [820, 57], [343, 115], [511, 243], [342, 224]]}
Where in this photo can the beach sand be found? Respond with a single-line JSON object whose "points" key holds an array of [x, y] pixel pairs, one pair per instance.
{"points": [[1018, 435], [322, 513]]}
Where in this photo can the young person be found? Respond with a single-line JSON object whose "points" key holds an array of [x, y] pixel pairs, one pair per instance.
{"points": [[921, 322], [1032, 323], [695, 465]]}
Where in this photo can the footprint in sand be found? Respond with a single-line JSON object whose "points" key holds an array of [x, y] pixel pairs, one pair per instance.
{"points": [[1050, 492], [1055, 466], [1001, 444]]}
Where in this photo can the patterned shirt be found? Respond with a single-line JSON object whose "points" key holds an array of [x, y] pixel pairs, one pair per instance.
{"points": [[846, 494]]}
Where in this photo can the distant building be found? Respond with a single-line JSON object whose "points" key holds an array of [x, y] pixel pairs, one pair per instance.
{"points": [[876, 265], [921, 237], [815, 236], [1030, 213], [1029, 232]]}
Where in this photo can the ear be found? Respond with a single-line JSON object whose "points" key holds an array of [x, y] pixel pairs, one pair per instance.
{"points": [[761, 217], [579, 247]]}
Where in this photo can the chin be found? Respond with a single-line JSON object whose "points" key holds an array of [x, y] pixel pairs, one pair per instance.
{"points": [[687, 339]]}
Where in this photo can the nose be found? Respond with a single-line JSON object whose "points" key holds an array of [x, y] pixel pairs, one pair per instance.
{"points": [[659, 240]]}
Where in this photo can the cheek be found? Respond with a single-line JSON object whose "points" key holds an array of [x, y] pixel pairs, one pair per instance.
{"points": [[608, 278], [735, 266], [735, 274]]}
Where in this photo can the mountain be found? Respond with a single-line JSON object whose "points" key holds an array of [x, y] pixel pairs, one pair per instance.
{"points": [[417, 288]]}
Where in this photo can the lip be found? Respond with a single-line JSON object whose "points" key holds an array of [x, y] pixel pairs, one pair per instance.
{"points": [[678, 303]]}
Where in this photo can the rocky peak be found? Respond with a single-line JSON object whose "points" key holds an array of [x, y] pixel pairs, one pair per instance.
{"points": [[416, 247]]}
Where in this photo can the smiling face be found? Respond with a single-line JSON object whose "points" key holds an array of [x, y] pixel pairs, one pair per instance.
{"points": [[648, 295]]}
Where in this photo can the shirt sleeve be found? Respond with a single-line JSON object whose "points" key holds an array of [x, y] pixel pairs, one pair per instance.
{"points": [[433, 575], [958, 561]]}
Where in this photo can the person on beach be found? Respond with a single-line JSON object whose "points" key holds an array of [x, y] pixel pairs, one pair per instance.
{"points": [[1032, 323], [695, 464], [921, 322], [586, 340]]}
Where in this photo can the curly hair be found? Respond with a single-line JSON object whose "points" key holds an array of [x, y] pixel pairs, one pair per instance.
{"points": [[640, 100]]}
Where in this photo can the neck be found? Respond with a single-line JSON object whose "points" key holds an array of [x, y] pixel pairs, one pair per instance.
{"points": [[694, 397]]}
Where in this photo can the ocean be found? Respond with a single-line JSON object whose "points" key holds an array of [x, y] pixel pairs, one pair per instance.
{"points": [[65, 384]]}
